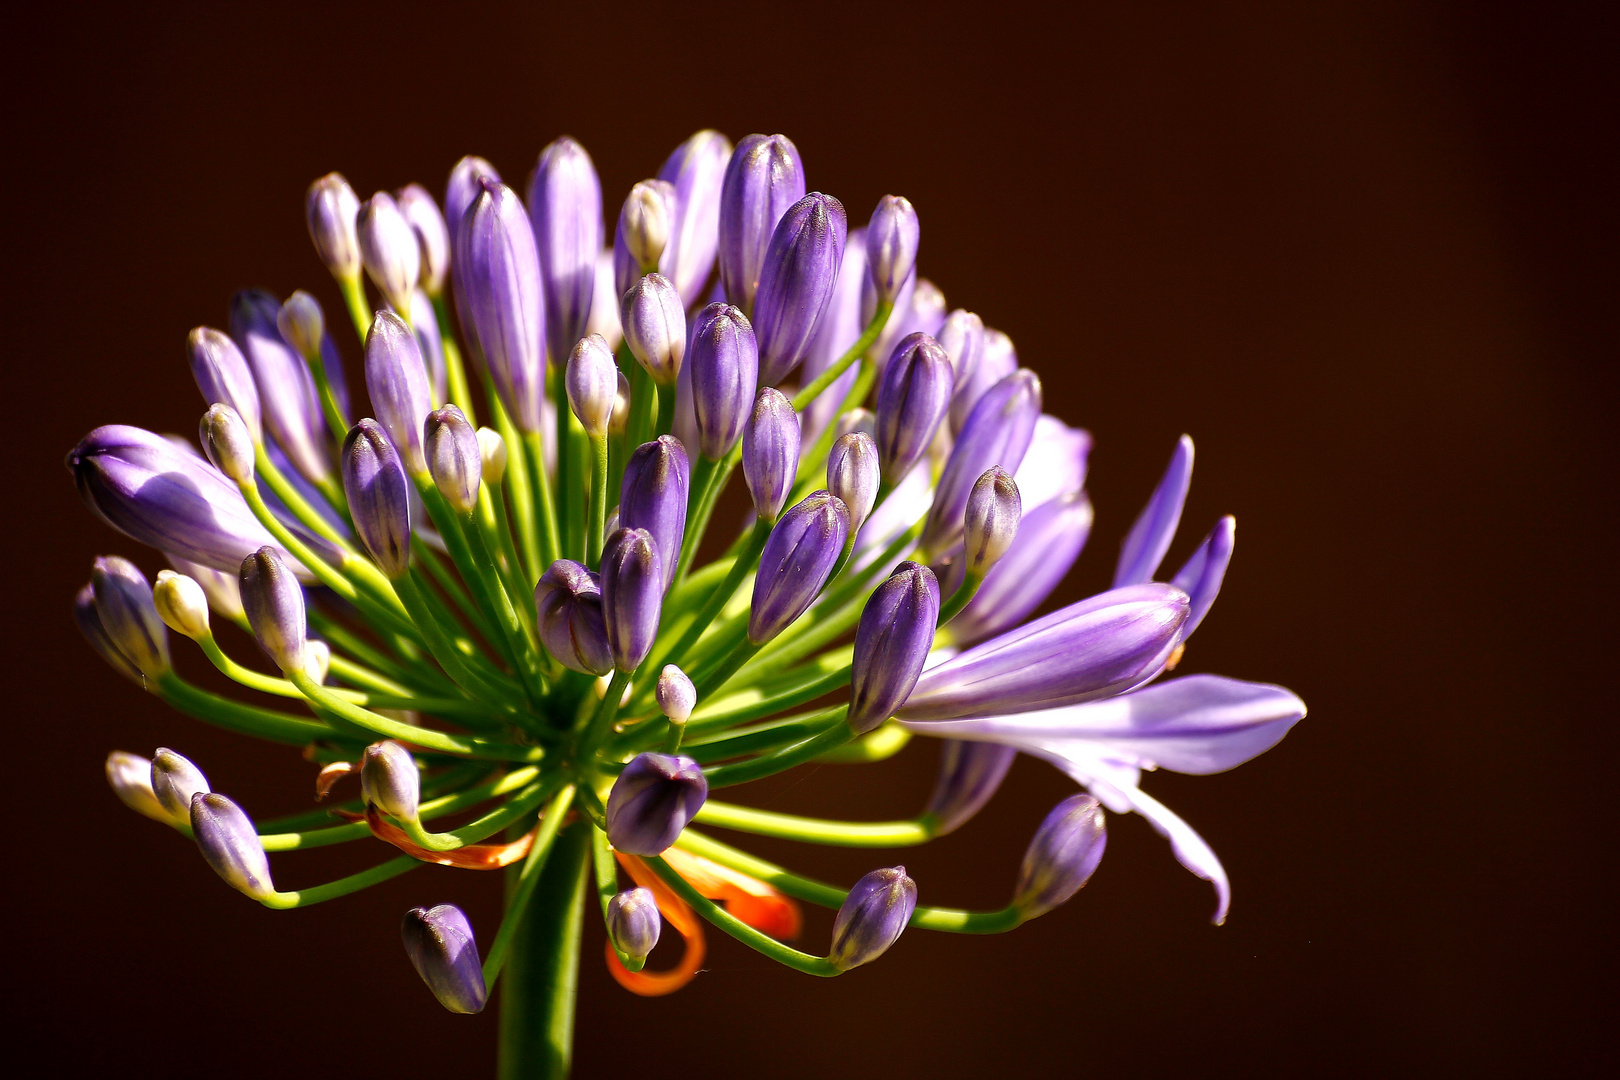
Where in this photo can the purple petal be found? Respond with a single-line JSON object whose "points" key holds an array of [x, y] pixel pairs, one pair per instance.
{"points": [[1144, 546]]}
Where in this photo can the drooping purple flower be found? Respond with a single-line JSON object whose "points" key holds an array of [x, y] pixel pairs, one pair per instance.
{"points": [[763, 179], [892, 641], [565, 208], [397, 381], [724, 362], [274, 602], [223, 375], [1048, 543], [389, 249], [440, 942], [798, 557], [499, 274], [379, 496], [657, 480], [1200, 578], [123, 600], [633, 923], [912, 400], [1144, 547], [770, 457], [652, 801], [697, 169], [432, 235], [872, 917], [286, 389], [568, 606], [632, 580], [796, 281], [969, 774], [227, 839], [89, 623], [1062, 856], [891, 245], [997, 432]]}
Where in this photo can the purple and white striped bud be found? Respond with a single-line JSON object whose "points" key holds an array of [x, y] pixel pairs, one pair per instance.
{"points": [[724, 362], [499, 276], [432, 235], [389, 780], [330, 209], [492, 453], [677, 697], [1049, 541], [872, 917], [565, 209], [763, 179], [397, 381], [969, 773], [130, 777], [997, 432], [228, 443], [795, 282], [1144, 547], [924, 312], [853, 475], [798, 557], [652, 801], [696, 168], [460, 192], [227, 839], [1062, 856], [633, 922], [286, 388], [379, 497], [454, 458], [770, 457], [655, 327], [592, 384], [174, 781], [863, 421], [274, 602], [223, 375], [123, 601], [892, 641], [440, 942], [657, 480], [302, 323], [89, 623], [962, 338], [997, 360], [645, 222], [389, 249], [891, 245], [913, 398], [181, 604], [568, 606], [990, 522], [1200, 578], [632, 582]]}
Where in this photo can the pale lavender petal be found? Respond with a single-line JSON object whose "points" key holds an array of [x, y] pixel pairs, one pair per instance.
{"points": [[1201, 577], [1055, 463], [1144, 546]]}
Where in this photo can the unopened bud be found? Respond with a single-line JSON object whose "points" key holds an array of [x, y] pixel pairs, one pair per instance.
{"points": [[123, 602], [274, 602], [440, 943], [231, 845], [301, 323], [632, 583], [891, 245], [454, 457], [492, 452], [331, 209], [317, 659], [652, 801], [174, 780], [389, 780], [655, 327], [646, 220], [228, 442], [990, 523], [633, 922], [389, 250], [1062, 857], [677, 697], [592, 381], [181, 604], [770, 457], [853, 475], [872, 917], [620, 420], [130, 777]]}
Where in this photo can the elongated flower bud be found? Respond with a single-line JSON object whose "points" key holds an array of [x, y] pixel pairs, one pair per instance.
{"points": [[302, 323], [565, 209], [969, 773], [919, 309], [124, 605], [837, 330], [389, 779], [460, 192], [89, 623], [130, 777], [891, 644], [796, 281], [657, 479], [872, 917], [857, 421], [997, 360], [568, 606], [454, 458], [228, 443], [174, 781], [962, 338], [1049, 541], [724, 363], [227, 839], [604, 320], [389, 250], [677, 697], [379, 497], [439, 941], [798, 557], [644, 226], [1062, 856], [397, 381], [1202, 575], [633, 922], [853, 475], [492, 452], [632, 595], [991, 519], [274, 602], [891, 245], [620, 420], [997, 432], [425, 325], [286, 389], [330, 209], [913, 398], [763, 179], [593, 384], [500, 281], [652, 801], [770, 457], [1144, 547], [655, 327], [696, 168], [181, 604], [432, 236], [223, 375]]}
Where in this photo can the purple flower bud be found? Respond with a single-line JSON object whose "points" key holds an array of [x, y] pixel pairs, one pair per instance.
{"points": [[432, 235], [620, 420], [439, 941], [389, 250], [396, 379], [223, 375], [657, 479], [697, 169], [330, 209], [499, 275], [962, 338], [892, 641], [633, 922], [466, 183], [492, 452], [997, 360], [724, 364], [1062, 857], [592, 384], [655, 327], [872, 917], [123, 601], [997, 432], [425, 324], [454, 458], [228, 443], [912, 400], [130, 777], [604, 320], [229, 842], [174, 781], [1092, 649], [1048, 543], [853, 475], [652, 801], [1202, 575], [632, 595], [565, 208], [677, 697], [837, 330], [862, 421], [799, 556], [274, 602], [1143, 548], [991, 519], [763, 179], [286, 389], [568, 605], [89, 623], [643, 231], [891, 245], [302, 323], [770, 457], [389, 779], [969, 773], [796, 281], [379, 497]]}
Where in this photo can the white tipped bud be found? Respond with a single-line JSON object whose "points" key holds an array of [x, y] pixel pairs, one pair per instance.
{"points": [[301, 323], [677, 697], [228, 442], [130, 777], [492, 451], [644, 222], [182, 604], [317, 659], [174, 781]]}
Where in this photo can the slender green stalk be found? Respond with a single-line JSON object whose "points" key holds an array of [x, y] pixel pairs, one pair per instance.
{"points": [[426, 738], [550, 545], [528, 877], [961, 597], [697, 521], [432, 808], [294, 500], [354, 298], [365, 879], [666, 409], [234, 716], [869, 336], [539, 989], [481, 829], [597, 519], [730, 924], [450, 658], [782, 760], [815, 830]]}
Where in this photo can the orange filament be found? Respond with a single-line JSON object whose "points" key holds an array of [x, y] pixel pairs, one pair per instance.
{"points": [[330, 775], [471, 857]]}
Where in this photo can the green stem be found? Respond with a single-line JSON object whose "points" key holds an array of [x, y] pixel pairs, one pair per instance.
{"points": [[607, 887], [716, 600], [880, 318], [771, 764], [815, 830], [697, 522], [964, 593], [528, 878], [444, 650], [234, 716], [597, 520], [550, 545], [426, 738], [295, 501], [354, 298], [666, 409], [301, 840], [730, 924], [365, 879]]}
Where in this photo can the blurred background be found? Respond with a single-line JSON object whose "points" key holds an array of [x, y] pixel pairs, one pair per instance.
{"points": [[1364, 254]]}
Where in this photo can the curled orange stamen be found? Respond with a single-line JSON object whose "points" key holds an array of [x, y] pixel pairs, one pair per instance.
{"points": [[330, 775], [471, 857]]}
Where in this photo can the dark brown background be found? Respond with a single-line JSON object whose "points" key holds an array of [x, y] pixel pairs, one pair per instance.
{"points": [[1363, 254]]}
